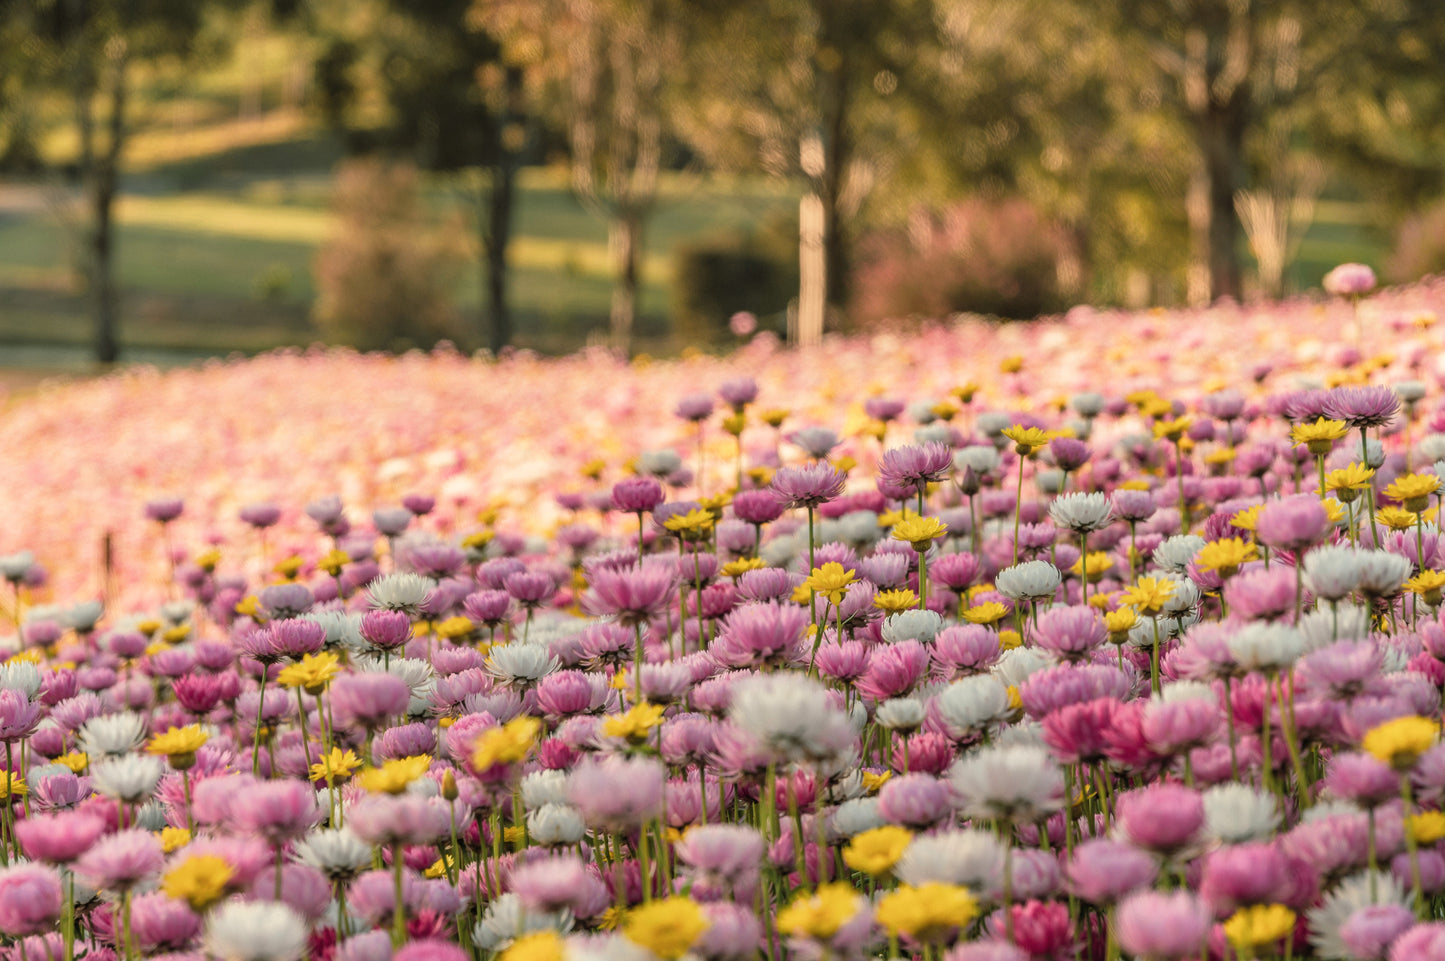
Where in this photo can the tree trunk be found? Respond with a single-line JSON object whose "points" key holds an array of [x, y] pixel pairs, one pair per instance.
{"points": [[838, 147], [812, 271], [1220, 132], [104, 183], [624, 238], [497, 233]]}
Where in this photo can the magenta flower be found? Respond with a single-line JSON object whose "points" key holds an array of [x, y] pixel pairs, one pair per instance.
{"points": [[633, 595], [1362, 406], [758, 507], [18, 716], [766, 633], [1163, 818], [1070, 632], [368, 699], [29, 900], [637, 495], [915, 466]]}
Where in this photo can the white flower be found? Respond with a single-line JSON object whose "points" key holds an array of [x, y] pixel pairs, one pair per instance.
{"points": [[112, 735], [1174, 555], [22, 676], [1088, 404], [255, 931], [1014, 666], [856, 816], [399, 592], [1082, 513], [335, 852], [131, 778], [505, 920], [659, 463], [992, 424], [1431, 447], [1031, 580], [552, 825], [544, 787], [789, 715], [1261, 646], [83, 616], [1177, 691], [177, 612], [14, 567], [521, 665], [971, 704], [1333, 573], [1050, 482], [341, 628], [914, 625], [1236, 813], [933, 433], [1350, 895], [1410, 391], [1382, 574], [978, 458], [900, 714], [970, 858], [858, 527], [1012, 783]]}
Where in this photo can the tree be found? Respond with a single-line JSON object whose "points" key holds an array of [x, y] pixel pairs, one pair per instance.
{"points": [[1237, 69], [90, 49], [815, 97]]}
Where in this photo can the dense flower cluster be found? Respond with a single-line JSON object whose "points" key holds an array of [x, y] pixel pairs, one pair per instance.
{"points": [[1152, 669]]}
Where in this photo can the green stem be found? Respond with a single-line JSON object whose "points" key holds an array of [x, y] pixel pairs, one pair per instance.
{"points": [[398, 915]]}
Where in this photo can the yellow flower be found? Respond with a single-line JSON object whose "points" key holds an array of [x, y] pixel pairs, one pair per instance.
{"points": [[760, 475], [439, 867], [249, 606], [1011, 364], [845, 463], [1137, 484], [820, 915], [1259, 924], [945, 411], [289, 567], [338, 765], [830, 581], [1221, 457], [920, 532], [876, 851], [173, 839], [1009, 639], [1427, 827], [1413, 490], [774, 417], [538, 946], [1428, 584], [477, 540], [667, 928], [1247, 519], [1172, 429], [965, 393], [714, 505], [12, 787], [174, 635], [508, 744], [333, 561], [1225, 555], [896, 516], [988, 613], [75, 760], [1396, 519], [454, 627], [200, 881], [1334, 509], [1092, 566], [1015, 699], [873, 780], [734, 424], [1400, 742], [695, 522], [891, 602], [150, 625], [1120, 622], [620, 681], [929, 912], [394, 776], [179, 743], [592, 469], [1320, 436], [1149, 594], [636, 724], [1344, 481], [1027, 440], [741, 566], [313, 672], [207, 560]]}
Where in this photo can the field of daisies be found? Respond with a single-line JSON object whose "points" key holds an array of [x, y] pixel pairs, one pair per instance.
{"points": [[1110, 636]]}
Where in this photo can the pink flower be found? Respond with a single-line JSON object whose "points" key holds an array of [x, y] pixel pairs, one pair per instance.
{"points": [[1349, 280], [1164, 818], [29, 899], [58, 838], [1163, 926], [121, 861]]}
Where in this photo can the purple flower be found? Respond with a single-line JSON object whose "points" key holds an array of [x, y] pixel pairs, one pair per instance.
{"points": [[1070, 632], [637, 495], [738, 392], [916, 465], [1163, 926], [694, 407], [915, 801], [368, 699], [633, 595], [261, 516], [1103, 871], [758, 507], [389, 819], [1362, 406], [1369, 931], [809, 486], [387, 630], [164, 509], [761, 633], [18, 716]]}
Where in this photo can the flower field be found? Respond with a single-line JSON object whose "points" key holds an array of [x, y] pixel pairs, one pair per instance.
{"points": [[1113, 636]]}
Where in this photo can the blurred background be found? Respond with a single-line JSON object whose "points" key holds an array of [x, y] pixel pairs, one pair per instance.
{"points": [[181, 178]]}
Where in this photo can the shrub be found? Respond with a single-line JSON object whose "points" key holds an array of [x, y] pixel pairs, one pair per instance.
{"points": [[727, 273], [385, 279], [1419, 246], [981, 256]]}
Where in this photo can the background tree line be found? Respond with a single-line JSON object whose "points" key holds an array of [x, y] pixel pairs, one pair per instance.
{"points": [[1009, 156]]}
